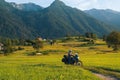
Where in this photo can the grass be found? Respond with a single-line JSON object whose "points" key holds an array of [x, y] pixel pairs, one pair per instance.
{"points": [[107, 64], [41, 68], [19, 66]]}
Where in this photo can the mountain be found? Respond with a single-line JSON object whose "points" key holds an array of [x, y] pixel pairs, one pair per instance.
{"points": [[11, 25], [57, 20], [27, 6], [107, 16]]}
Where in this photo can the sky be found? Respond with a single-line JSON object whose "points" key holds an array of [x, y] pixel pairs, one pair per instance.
{"points": [[80, 4]]}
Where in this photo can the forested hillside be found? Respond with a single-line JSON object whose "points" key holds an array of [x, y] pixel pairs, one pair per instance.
{"points": [[57, 20]]}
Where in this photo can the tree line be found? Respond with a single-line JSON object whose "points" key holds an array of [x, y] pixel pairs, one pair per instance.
{"points": [[9, 45]]}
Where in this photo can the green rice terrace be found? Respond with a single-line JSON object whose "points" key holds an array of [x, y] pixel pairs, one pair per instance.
{"points": [[99, 63]]}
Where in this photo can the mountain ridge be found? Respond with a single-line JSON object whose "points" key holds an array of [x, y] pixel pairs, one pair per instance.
{"points": [[27, 6], [55, 21], [108, 16]]}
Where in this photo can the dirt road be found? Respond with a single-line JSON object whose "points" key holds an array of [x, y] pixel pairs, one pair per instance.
{"points": [[104, 77]]}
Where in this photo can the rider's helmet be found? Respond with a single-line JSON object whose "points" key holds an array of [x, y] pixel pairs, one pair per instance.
{"points": [[69, 50]]}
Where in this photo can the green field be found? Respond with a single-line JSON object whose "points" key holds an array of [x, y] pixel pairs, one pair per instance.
{"points": [[99, 58]]}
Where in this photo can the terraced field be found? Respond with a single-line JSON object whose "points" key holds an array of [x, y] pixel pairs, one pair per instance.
{"points": [[96, 59]]}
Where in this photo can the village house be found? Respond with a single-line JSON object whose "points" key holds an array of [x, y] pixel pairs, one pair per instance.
{"points": [[39, 38]]}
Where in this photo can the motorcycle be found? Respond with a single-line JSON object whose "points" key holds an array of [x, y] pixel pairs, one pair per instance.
{"points": [[72, 61]]}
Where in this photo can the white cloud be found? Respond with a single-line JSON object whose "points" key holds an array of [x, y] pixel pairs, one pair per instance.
{"points": [[81, 4]]}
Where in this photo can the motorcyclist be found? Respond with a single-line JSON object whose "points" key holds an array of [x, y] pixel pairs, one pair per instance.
{"points": [[76, 57]]}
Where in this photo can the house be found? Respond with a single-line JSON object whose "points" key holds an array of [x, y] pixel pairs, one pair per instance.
{"points": [[39, 38], [1, 46]]}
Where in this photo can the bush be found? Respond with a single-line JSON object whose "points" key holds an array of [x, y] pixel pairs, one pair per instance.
{"points": [[87, 45], [30, 53], [113, 40], [20, 48], [44, 52]]}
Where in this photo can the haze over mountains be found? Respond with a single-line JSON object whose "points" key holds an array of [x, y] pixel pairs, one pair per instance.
{"points": [[57, 20]]}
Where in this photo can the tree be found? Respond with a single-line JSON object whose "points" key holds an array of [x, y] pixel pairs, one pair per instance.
{"points": [[104, 37], [7, 46], [37, 44], [93, 36], [113, 40], [90, 35]]}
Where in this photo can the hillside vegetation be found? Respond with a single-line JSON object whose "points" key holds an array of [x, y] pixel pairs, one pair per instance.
{"points": [[55, 21], [107, 16]]}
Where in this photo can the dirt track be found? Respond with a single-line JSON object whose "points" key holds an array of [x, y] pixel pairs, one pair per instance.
{"points": [[105, 77]]}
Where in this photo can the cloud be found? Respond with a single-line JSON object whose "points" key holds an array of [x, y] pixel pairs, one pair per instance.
{"points": [[81, 4]]}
